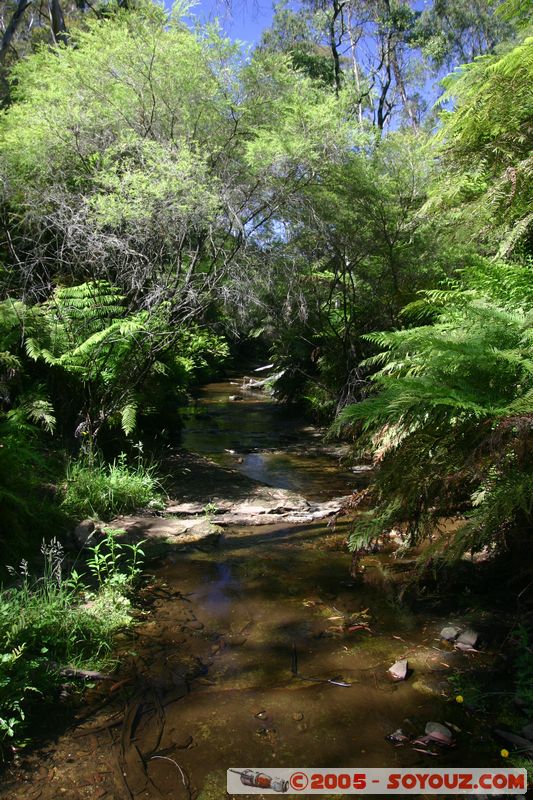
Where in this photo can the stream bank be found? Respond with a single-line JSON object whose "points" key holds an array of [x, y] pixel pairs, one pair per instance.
{"points": [[208, 680]]}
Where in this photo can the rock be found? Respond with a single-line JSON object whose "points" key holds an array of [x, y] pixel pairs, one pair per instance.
{"points": [[397, 737], [439, 733], [398, 671], [248, 508], [173, 532], [195, 625], [183, 741], [84, 532], [450, 633], [465, 648], [395, 535], [185, 509], [468, 637], [298, 716]]}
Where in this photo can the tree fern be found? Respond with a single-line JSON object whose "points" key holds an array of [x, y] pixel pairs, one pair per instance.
{"points": [[451, 390]]}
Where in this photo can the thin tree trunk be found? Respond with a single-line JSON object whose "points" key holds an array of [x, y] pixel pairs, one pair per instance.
{"points": [[403, 94], [337, 9], [355, 67], [11, 29]]}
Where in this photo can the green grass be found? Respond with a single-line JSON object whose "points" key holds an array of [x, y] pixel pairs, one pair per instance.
{"points": [[57, 620], [105, 490]]}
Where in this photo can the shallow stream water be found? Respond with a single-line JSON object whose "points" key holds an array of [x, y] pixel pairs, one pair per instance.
{"points": [[218, 676]]}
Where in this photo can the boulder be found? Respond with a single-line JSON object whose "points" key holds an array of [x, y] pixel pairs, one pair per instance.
{"points": [[175, 533]]}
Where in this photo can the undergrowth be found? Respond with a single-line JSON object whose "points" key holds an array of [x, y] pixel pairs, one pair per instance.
{"points": [[57, 619]]}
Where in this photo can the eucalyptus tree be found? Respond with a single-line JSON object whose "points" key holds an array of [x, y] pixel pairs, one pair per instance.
{"points": [[384, 51]]}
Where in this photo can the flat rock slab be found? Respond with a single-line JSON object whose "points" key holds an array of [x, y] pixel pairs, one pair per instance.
{"points": [[265, 507], [174, 532]]}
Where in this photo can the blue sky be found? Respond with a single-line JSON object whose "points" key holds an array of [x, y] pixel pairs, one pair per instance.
{"points": [[246, 19], [241, 19]]}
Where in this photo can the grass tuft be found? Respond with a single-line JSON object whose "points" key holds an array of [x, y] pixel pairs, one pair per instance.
{"points": [[104, 490]]}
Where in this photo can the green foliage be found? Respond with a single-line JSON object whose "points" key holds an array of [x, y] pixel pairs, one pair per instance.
{"points": [[353, 253], [54, 621], [87, 333], [25, 472], [486, 145], [96, 489], [113, 562], [452, 416], [460, 30]]}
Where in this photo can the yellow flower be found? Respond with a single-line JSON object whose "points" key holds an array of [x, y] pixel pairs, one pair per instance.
{"points": [[504, 753], [459, 698]]}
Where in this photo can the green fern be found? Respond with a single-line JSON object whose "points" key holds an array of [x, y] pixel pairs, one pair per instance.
{"points": [[458, 395]]}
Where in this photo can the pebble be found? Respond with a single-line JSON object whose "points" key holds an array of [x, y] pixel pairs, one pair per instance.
{"points": [[297, 716], [195, 625]]}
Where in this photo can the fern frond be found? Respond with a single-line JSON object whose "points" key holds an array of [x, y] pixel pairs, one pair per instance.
{"points": [[129, 417]]}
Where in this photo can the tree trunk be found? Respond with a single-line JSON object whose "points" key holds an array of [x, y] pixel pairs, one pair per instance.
{"points": [[11, 29], [337, 9], [57, 22], [355, 67], [403, 94]]}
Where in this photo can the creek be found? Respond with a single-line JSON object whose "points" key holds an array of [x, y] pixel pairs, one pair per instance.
{"points": [[217, 674]]}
